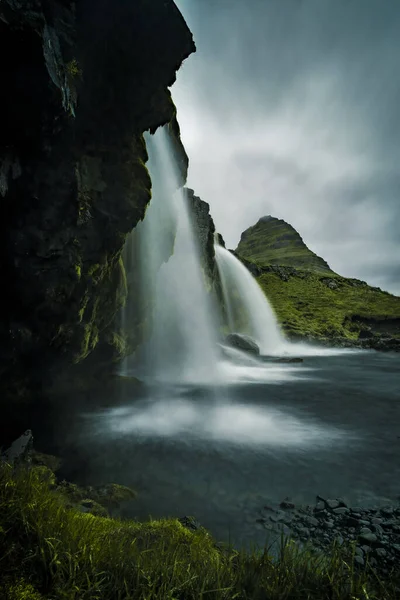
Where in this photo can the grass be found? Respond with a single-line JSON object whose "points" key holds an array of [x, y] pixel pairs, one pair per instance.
{"points": [[49, 551], [305, 304], [275, 242]]}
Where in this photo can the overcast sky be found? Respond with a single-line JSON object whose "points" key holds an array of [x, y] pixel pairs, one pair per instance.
{"points": [[292, 108]]}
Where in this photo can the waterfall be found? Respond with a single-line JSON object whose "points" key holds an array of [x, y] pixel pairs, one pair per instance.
{"points": [[247, 308], [182, 346]]}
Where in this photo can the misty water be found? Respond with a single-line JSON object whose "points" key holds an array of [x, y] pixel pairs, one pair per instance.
{"points": [[213, 432], [328, 426], [182, 341], [245, 300]]}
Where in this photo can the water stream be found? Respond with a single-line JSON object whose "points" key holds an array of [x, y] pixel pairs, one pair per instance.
{"points": [[248, 310], [183, 342]]}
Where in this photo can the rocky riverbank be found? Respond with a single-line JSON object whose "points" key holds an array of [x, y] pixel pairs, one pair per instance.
{"points": [[374, 532]]}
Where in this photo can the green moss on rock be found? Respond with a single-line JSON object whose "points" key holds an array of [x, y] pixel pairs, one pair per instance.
{"points": [[272, 241], [307, 304]]}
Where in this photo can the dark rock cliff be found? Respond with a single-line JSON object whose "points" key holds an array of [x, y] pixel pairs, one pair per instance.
{"points": [[81, 82], [204, 229]]}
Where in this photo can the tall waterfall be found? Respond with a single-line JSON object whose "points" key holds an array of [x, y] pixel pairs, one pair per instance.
{"points": [[247, 309], [182, 346]]}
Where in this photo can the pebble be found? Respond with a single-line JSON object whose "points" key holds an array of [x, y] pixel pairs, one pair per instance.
{"points": [[370, 538], [341, 510], [287, 505], [365, 530], [331, 520], [387, 511]]}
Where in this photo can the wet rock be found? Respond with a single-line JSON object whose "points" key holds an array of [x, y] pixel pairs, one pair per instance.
{"points": [[20, 450], [369, 538], [46, 460], [380, 553], [242, 342], [190, 523], [392, 523], [359, 560], [303, 532], [387, 511], [377, 529], [341, 510], [287, 505], [332, 504], [364, 523], [351, 522], [287, 360]]}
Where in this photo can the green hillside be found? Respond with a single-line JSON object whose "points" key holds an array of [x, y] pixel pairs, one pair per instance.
{"points": [[308, 304], [272, 241], [309, 299]]}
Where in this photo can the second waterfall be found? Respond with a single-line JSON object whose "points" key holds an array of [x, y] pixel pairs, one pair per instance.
{"points": [[182, 346]]}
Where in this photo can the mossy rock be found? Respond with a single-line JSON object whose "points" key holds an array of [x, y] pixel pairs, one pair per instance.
{"points": [[97, 500], [46, 460], [19, 590]]}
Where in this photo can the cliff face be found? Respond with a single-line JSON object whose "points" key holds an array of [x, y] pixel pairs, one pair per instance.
{"points": [[204, 229], [272, 241], [81, 82]]}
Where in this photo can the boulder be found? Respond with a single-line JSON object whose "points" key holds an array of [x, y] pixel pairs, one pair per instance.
{"points": [[20, 450], [242, 342]]}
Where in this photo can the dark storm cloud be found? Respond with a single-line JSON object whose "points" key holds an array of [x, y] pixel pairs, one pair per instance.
{"points": [[292, 108]]}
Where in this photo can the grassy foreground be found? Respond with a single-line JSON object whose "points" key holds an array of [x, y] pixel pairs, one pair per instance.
{"points": [[306, 305], [49, 551]]}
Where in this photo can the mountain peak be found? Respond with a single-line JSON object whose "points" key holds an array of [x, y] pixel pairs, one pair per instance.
{"points": [[272, 241]]}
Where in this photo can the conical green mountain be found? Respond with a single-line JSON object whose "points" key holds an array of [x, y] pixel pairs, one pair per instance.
{"points": [[272, 241]]}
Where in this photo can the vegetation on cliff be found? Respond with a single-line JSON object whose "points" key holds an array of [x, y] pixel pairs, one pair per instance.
{"points": [[308, 303], [309, 299], [272, 241], [50, 550]]}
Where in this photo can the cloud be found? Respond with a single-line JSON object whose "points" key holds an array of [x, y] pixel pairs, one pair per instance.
{"points": [[291, 108]]}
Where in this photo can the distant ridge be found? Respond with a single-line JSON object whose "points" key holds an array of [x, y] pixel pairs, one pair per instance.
{"points": [[272, 241]]}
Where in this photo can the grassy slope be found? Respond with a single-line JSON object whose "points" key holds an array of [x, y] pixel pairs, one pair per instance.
{"points": [[49, 551], [306, 305], [273, 241], [303, 301]]}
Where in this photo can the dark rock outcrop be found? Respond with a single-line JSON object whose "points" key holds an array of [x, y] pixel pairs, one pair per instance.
{"points": [[204, 230], [81, 82], [242, 342]]}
